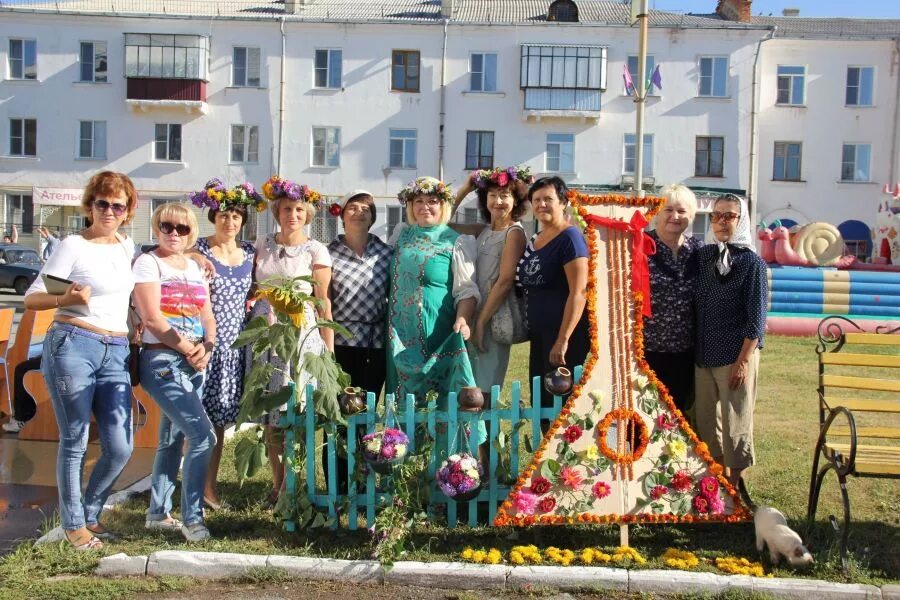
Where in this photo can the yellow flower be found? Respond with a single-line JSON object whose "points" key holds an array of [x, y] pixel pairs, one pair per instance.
{"points": [[466, 554], [678, 449], [261, 207], [282, 302], [592, 453], [740, 566], [680, 559], [479, 556]]}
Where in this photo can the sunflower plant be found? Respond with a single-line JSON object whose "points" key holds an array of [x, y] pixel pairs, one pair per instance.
{"points": [[286, 338]]}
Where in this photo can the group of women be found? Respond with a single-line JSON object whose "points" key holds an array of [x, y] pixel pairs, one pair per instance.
{"points": [[435, 309]]}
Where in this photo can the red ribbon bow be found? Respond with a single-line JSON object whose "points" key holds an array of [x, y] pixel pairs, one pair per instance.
{"points": [[642, 246]]}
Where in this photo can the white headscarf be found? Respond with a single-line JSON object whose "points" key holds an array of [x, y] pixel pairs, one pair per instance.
{"points": [[742, 238]]}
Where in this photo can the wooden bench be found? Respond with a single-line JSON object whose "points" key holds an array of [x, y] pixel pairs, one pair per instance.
{"points": [[870, 392]]}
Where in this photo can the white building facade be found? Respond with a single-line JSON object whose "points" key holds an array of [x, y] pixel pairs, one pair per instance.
{"points": [[356, 94]]}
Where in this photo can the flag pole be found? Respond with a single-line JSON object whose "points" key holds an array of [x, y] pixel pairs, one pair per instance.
{"points": [[640, 95]]}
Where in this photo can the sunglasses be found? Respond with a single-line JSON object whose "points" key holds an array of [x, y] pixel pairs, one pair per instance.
{"points": [[181, 230], [104, 205], [728, 217]]}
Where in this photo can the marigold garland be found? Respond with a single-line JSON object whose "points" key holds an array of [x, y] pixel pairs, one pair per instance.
{"points": [[603, 426]]}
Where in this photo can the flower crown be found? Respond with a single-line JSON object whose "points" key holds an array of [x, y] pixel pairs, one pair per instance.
{"points": [[276, 187], [428, 186], [215, 196], [501, 177]]}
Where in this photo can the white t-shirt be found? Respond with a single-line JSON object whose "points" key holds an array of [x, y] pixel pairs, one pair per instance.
{"points": [[183, 293], [106, 268]]}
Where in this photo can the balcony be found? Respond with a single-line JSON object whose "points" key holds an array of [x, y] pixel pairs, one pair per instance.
{"points": [[561, 81], [166, 71], [143, 93]]}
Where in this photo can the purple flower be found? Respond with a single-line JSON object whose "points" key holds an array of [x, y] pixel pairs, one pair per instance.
{"points": [[388, 451], [293, 192], [513, 173], [213, 205], [447, 489], [456, 479]]}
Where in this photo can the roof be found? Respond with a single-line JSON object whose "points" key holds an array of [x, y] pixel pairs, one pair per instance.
{"points": [[599, 12], [596, 12]]}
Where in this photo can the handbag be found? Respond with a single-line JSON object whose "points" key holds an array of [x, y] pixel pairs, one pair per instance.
{"points": [[508, 323]]}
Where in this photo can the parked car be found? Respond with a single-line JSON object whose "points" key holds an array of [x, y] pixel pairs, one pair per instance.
{"points": [[19, 266]]}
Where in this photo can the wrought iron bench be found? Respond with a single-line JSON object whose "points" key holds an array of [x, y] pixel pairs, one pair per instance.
{"points": [[873, 390]]}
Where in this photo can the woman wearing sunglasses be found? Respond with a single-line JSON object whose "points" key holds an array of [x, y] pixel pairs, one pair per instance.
{"points": [[172, 299], [85, 353], [730, 307]]}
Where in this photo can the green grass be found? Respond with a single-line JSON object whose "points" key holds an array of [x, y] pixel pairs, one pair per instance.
{"points": [[786, 426]]}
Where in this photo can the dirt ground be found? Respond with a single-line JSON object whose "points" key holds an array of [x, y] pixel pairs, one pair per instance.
{"points": [[306, 590]]}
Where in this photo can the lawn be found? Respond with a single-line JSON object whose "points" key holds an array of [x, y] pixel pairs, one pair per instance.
{"points": [[786, 430]]}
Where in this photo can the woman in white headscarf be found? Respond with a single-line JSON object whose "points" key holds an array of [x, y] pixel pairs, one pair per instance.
{"points": [[730, 305]]}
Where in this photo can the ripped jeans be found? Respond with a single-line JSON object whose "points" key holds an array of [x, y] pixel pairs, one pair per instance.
{"points": [[177, 389], [87, 373]]}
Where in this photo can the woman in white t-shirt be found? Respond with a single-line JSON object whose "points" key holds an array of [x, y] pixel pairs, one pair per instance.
{"points": [[291, 253], [85, 354], [172, 298]]}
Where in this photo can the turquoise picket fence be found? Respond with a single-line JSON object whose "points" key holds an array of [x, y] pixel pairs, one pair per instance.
{"points": [[302, 425]]}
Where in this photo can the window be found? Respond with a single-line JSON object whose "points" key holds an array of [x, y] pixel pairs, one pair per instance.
{"points": [[324, 227], [631, 151], [244, 144], [563, 77], [700, 225], [23, 137], [470, 216], [860, 86], [328, 68], [479, 150], [633, 70], [245, 67], [20, 211], [402, 148], [405, 71], [168, 142], [709, 156], [93, 62], [787, 161], [563, 10], [165, 56], [483, 72], [560, 153], [713, 76], [791, 82], [855, 162], [394, 214], [326, 147], [92, 139], [858, 248], [22, 59]]}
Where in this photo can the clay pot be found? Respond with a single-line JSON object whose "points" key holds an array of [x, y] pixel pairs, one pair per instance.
{"points": [[352, 401], [470, 399], [559, 382]]}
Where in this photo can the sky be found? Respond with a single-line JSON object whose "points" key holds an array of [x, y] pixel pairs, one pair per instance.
{"points": [[889, 9]]}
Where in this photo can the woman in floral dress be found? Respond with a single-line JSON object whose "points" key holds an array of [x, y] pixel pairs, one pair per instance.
{"points": [[291, 253], [229, 287]]}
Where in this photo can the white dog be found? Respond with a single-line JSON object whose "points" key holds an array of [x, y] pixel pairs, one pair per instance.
{"points": [[772, 531]]}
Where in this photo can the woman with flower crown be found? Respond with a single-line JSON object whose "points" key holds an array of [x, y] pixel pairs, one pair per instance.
{"points": [[291, 253], [501, 196], [229, 287], [432, 299]]}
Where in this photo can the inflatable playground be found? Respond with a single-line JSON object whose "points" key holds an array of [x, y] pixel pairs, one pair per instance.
{"points": [[811, 274]]}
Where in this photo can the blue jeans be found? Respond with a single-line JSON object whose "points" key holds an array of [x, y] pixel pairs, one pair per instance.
{"points": [[177, 389], [87, 375]]}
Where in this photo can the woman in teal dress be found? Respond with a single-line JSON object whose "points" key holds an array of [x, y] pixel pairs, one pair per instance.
{"points": [[432, 299]]}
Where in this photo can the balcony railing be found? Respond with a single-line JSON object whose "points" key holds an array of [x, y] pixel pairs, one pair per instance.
{"points": [[147, 92]]}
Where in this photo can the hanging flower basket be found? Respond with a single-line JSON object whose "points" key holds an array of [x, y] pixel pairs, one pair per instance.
{"points": [[459, 477], [384, 449]]}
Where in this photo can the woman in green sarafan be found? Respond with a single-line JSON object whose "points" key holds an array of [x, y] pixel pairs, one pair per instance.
{"points": [[432, 300]]}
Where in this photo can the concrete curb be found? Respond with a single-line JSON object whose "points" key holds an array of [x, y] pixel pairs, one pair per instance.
{"points": [[467, 576]]}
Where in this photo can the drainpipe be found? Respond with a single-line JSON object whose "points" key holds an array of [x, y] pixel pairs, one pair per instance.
{"points": [[443, 101], [754, 125], [892, 178], [281, 113]]}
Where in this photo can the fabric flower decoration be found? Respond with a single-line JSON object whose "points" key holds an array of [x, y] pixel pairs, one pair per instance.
{"points": [[601, 489], [658, 492], [572, 433], [547, 504], [709, 486], [570, 477], [540, 486], [682, 481], [526, 502], [677, 449]]}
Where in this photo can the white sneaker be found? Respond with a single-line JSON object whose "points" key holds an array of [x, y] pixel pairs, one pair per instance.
{"points": [[195, 532], [172, 524], [13, 426]]}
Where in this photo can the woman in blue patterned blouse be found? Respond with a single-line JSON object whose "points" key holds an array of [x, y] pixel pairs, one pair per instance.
{"points": [[669, 333], [730, 305]]}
